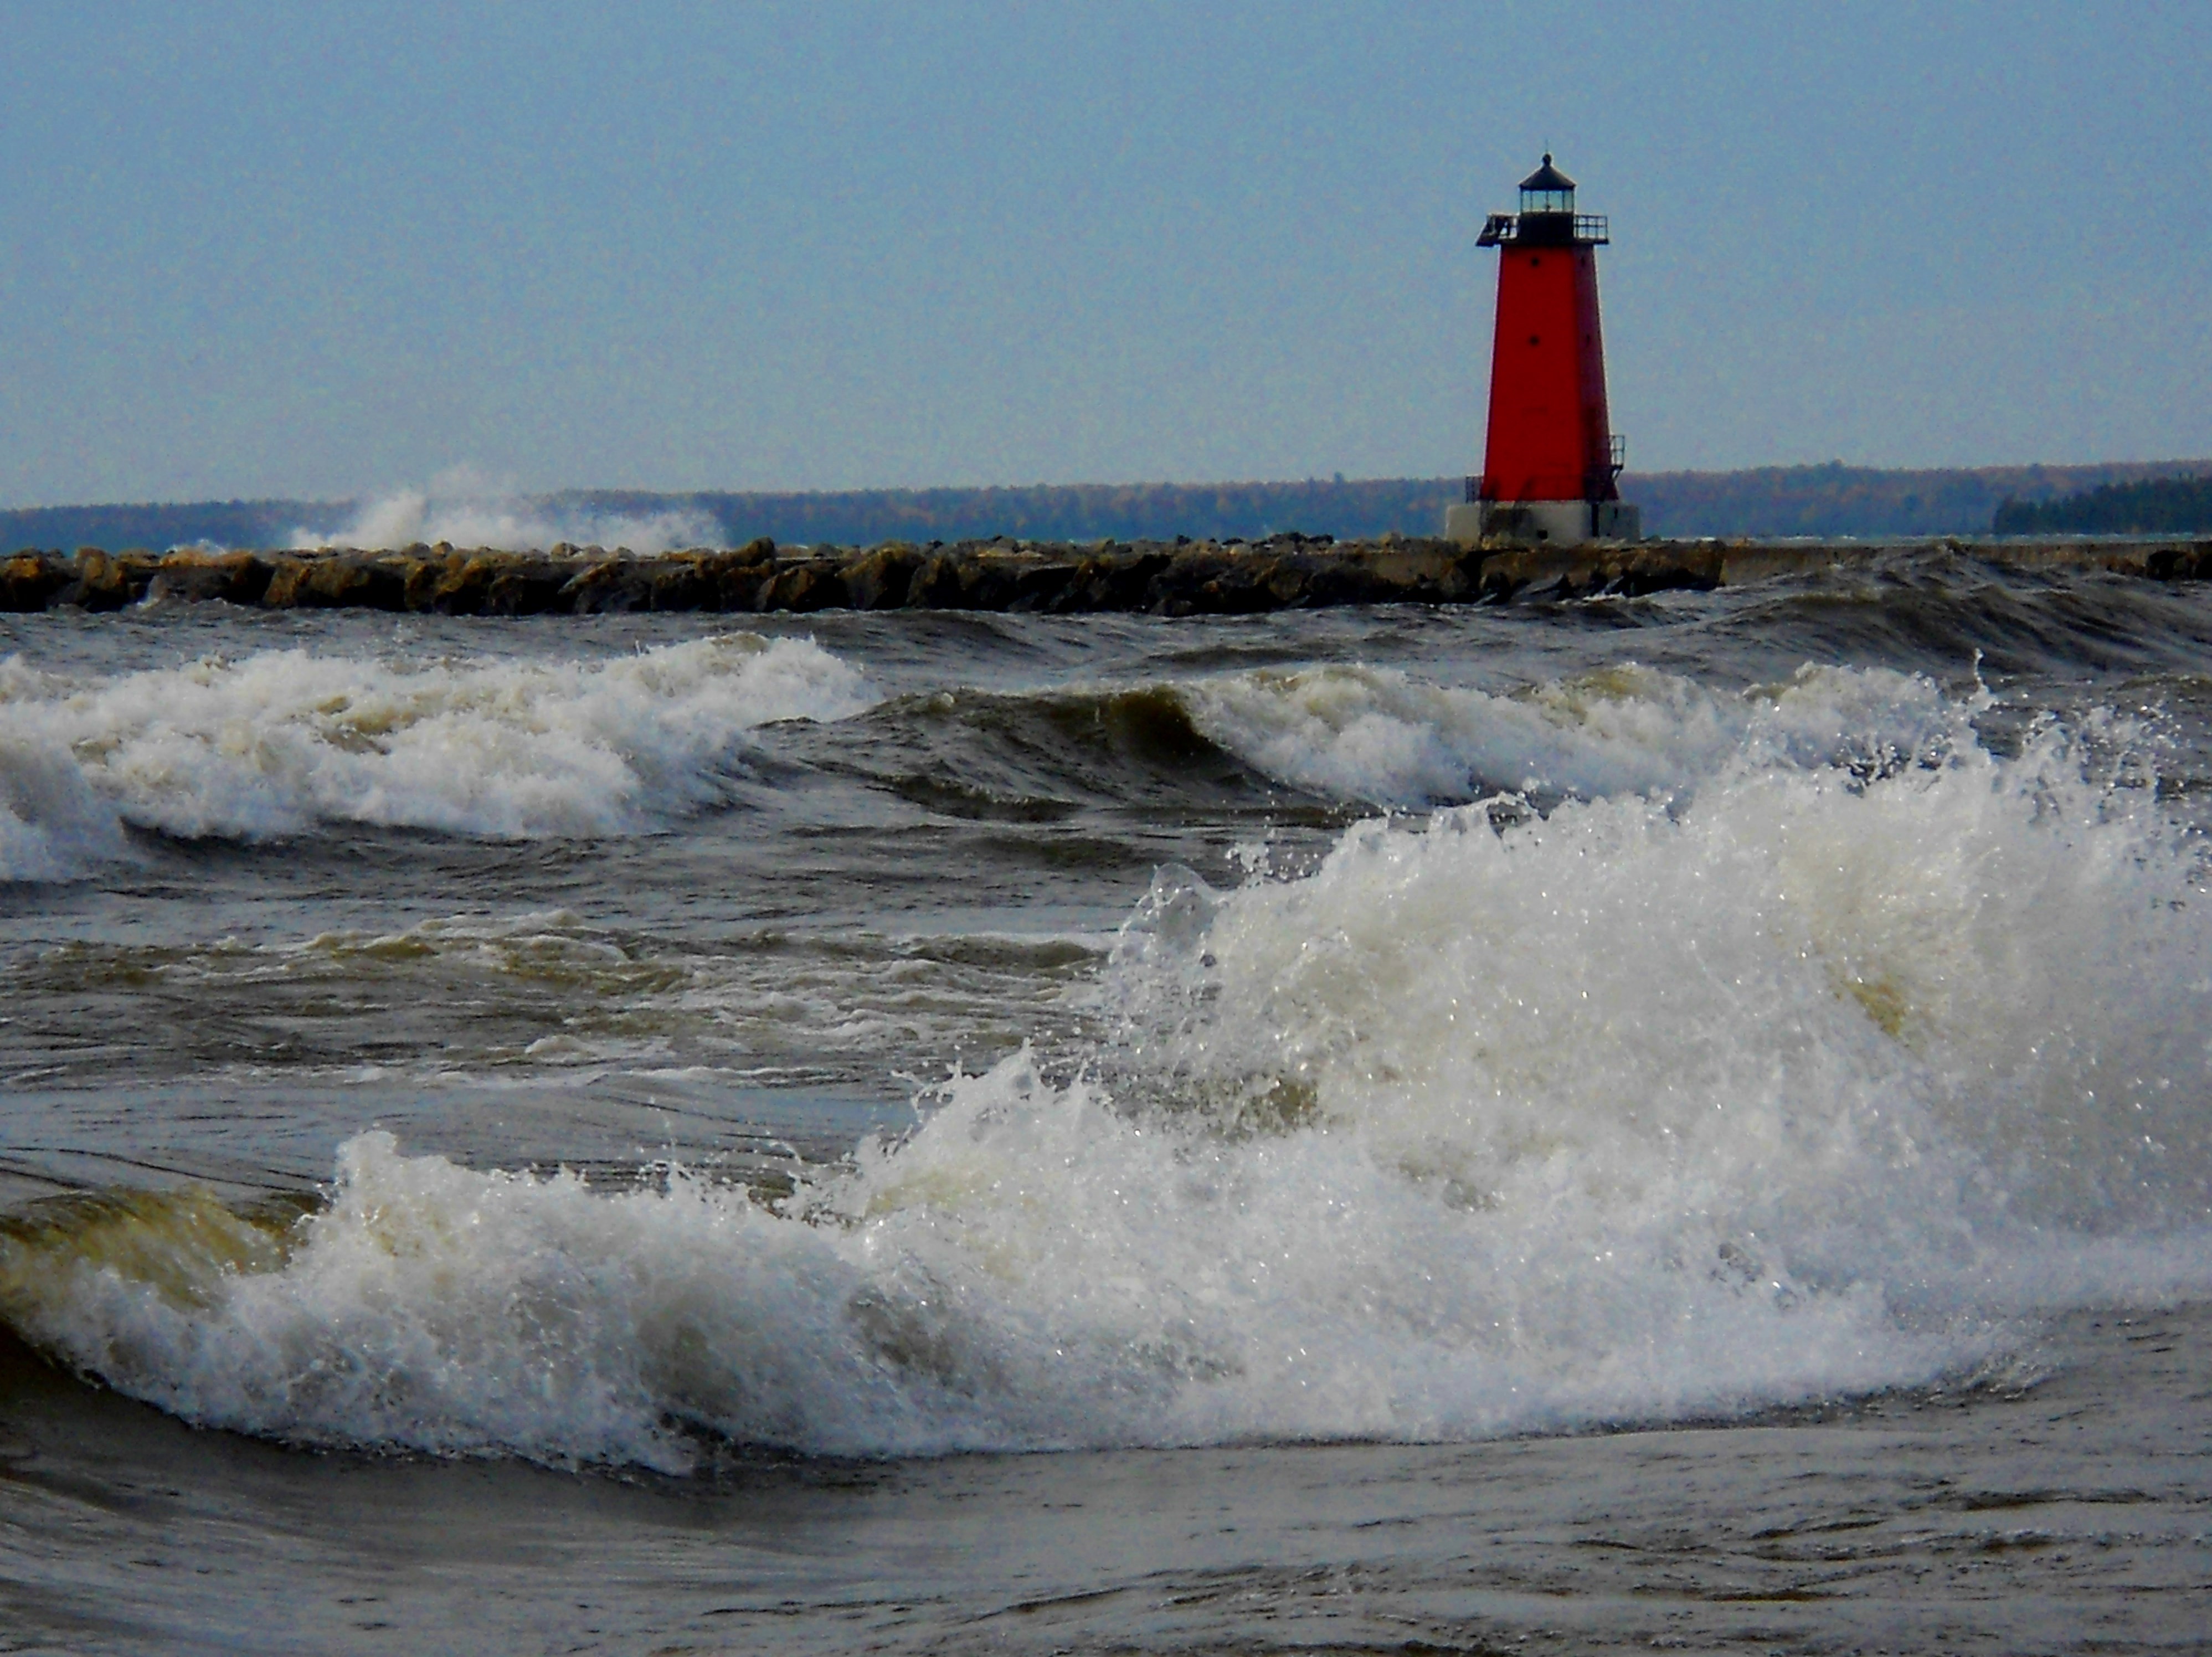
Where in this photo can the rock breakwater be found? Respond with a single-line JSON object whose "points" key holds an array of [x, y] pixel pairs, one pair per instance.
{"points": [[1180, 578]]}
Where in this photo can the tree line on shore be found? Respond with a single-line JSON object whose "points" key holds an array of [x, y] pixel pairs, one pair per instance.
{"points": [[1826, 501], [2159, 505]]}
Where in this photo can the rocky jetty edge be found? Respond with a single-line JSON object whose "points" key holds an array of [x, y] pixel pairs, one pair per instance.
{"points": [[1180, 578]]}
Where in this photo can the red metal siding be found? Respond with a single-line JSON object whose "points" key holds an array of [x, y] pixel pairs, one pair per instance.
{"points": [[1550, 437]]}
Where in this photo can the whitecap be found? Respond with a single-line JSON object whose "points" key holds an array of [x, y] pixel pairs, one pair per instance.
{"points": [[52, 826], [1824, 1077], [1385, 737], [277, 742]]}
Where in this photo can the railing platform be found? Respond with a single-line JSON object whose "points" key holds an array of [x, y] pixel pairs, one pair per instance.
{"points": [[1545, 230]]}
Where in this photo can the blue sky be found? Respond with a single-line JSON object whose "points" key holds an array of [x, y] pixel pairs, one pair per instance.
{"points": [[307, 249]]}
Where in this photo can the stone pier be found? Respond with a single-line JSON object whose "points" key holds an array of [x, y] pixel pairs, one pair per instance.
{"points": [[1177, 578]]}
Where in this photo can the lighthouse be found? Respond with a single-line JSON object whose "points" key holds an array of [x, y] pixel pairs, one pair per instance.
{"points": [[1551, 465]]}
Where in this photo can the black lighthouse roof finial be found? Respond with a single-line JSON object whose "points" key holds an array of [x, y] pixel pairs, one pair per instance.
{"points": [[1547, 178]]}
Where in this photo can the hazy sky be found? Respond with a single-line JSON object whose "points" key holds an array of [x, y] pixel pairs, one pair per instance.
{"points": [[306, 249]]}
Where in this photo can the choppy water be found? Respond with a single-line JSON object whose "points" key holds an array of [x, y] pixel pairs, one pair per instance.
{"points": [[1681, 1119]]}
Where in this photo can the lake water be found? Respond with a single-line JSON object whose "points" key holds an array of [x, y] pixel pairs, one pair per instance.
{"points": [[1682, 1122]]}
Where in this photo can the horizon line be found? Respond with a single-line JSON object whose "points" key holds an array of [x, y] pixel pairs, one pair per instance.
{"points": [[1332, 482]]}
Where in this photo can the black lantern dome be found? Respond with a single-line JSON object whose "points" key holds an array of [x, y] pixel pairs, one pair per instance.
{"points": [[1548, 189], [1547, 217]]}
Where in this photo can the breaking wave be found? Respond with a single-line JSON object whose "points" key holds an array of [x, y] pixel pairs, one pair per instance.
{"points": [[466, 510], [52, 826], [1813, 1077], [275, 742], [1380, 736], [1373, 736]]}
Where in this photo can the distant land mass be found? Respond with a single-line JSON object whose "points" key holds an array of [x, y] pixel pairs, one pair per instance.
{"points": [[1826, 501], [2161, 506]]}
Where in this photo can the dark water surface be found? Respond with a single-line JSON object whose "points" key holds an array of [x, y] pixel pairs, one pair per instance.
{"points": [[1677, 1122]]}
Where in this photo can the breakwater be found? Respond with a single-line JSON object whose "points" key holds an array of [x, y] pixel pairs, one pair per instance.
{"points": [[1182, 577]]}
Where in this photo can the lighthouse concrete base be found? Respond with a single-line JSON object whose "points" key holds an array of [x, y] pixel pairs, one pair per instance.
{"points": [[1542, 523]]}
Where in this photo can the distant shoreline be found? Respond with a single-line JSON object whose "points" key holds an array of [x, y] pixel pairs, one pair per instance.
{"points": [[1184, 578], [1825, 500]]}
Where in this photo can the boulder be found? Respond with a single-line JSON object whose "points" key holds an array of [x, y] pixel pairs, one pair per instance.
{"points": [[1432, 572], [1113, 580], [676, 583], [192, 576], [936, 583], [881, 579], [1585, 572], [803, 585], [1229, 578], [608, 586], [999, 578], [487, 583], [29, 581], [2181, 561], [733, 579], [102, 581], [339, 580], [421, 576], [1038, 583]]}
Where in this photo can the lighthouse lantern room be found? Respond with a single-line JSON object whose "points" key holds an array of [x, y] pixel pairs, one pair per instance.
{"points": [[1551, 463]]}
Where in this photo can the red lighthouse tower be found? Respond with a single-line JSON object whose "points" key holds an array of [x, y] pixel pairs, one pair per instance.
{"points": [[1551, 468]]}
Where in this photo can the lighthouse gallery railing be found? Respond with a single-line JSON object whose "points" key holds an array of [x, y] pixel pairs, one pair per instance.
{"points": [[1501, 229]]}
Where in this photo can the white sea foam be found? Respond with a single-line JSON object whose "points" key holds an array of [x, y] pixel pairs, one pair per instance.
{"points": [[1378, 735], [52, 826], [274, 742], [466, 509], [1809, 1081]]}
